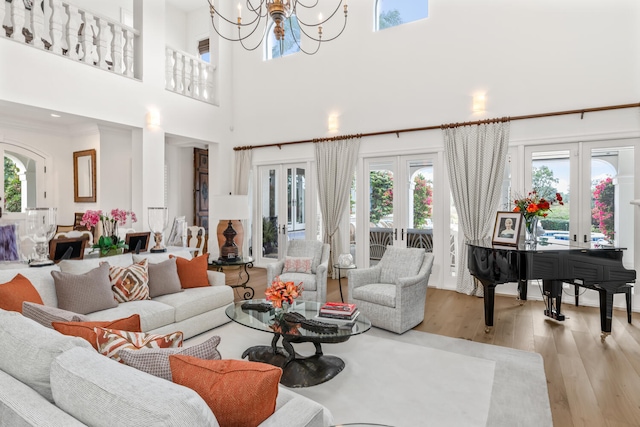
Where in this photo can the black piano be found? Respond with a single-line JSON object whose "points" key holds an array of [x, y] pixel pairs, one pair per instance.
{"points": [[599, 269]]}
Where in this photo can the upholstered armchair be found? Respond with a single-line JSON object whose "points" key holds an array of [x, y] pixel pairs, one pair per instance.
{"points": [[307, 261], [392, 294]]}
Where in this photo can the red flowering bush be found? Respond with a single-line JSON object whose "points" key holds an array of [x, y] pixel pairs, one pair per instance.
{"points": [[534, 205], [602, 213], [280, 292]]}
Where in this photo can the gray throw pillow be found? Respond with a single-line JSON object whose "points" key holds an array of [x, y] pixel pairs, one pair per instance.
{"points": [[84, 293], [44, 314], [155, 361], [163, 278]]}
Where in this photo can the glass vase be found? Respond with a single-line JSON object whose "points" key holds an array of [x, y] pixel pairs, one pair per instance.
{"points": [[531, 230]]}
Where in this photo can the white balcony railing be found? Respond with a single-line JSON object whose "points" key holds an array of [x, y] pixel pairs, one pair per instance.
{"points": [[188, 75], [64, 29]]}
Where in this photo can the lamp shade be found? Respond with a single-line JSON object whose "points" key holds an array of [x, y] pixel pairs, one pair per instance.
{"points": [[231, 207]]}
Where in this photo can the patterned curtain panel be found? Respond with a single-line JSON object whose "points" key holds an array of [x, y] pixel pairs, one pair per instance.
{"points": [[476, 156], [336, 162]]}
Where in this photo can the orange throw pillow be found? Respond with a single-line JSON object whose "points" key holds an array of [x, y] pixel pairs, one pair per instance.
{"points": [[227, 385], [193, 272], [16, 291], [85, 329]]}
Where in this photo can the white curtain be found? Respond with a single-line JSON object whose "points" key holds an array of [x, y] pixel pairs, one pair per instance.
{"points": [[242, 172], [336, 162], [476, 156]]}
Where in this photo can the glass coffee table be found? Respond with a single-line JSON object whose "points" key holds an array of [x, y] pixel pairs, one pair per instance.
{"points": [[297, 370]]}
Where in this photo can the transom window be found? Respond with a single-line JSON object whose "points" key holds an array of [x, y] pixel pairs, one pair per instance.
{"points": [[391, 13], [289, 45]]}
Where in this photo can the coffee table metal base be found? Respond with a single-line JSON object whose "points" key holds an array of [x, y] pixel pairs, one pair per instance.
{"points": [[300, 371]]}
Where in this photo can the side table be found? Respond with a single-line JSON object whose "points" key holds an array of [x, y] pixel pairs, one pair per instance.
{"points": [[339, 268], [243, 263]]}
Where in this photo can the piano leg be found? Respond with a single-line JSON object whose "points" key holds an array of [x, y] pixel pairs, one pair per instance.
{"points": [[522, 291], [552, 290], [489, 299], [606, 313], [627, 297]]}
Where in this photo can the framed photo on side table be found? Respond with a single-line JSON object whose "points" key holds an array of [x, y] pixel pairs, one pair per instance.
{"points": [[507, 228]]}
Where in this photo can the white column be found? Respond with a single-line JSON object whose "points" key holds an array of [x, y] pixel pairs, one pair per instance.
{"points": [[103, 48], [17, 20], [168, 73], [71, 31], [55, 25], [37, 24], [116, 49], [128, 53], [150, 49], [148, 160], [86, 38]]}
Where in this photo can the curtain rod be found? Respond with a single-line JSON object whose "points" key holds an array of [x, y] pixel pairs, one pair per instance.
{"points": [[479, 122]]}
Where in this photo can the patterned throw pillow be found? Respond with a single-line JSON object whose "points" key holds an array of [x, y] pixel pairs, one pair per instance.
{"points": [[297, 265], [253, 385], [193, 272], [86, 329], [16, 291], [130, 283], [111, 341], [155, 361]]}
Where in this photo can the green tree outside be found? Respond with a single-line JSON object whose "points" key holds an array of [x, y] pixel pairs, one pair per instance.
{"points": [[422, 200], [12, 187], [390, 18], [544, 182], [381, 195]]}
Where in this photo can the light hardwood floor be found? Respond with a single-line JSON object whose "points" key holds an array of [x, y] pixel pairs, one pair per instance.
{"points": [[589, 383]]}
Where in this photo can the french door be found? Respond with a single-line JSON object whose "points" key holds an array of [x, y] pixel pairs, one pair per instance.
{"points": [[283, 208], [596, 180], [399, 193]]}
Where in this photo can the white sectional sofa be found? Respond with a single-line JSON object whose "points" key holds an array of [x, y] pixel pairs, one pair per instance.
{"points": [[50, 379]]}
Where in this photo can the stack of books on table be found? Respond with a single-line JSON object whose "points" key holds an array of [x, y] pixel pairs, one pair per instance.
{"points": [[338, 310]]}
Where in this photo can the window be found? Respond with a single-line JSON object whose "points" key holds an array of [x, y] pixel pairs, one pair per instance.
{"points": [[391, 13], [289, 45], [203, 50]]}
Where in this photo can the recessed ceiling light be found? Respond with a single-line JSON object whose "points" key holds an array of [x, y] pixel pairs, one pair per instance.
{"points": [[55, 115]]}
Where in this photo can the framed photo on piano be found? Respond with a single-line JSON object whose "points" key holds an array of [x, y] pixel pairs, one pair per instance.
{"points": [[507, 228]]}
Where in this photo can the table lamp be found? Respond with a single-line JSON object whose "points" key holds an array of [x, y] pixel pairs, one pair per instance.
{"points": [[41, 226], [226, 209], [158, 221]]}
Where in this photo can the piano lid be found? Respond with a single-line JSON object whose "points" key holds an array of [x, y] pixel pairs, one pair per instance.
{"points": [[556, 245]]}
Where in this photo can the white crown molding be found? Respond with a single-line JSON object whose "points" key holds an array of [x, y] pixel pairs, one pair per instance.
{"points": [[33, 126], [609, 136]]}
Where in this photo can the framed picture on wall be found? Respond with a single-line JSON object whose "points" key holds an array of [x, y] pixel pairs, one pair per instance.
{"points": [[507, 228]]}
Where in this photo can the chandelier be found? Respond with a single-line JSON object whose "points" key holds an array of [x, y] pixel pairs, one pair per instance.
{"points": [[280, 11]]}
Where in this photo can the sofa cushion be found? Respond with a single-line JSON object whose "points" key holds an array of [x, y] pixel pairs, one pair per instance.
{"points": [[45, 315], [163, 278], [111, 341], [16, 291], [84, 293], [130, 283], [253, 385], [28, 348], [308, 280], [39, 277], [101, 393], [155, 361], [86, 329], [297, 265], [153, 314], [193, 272], [196, 301], [377, 293]]}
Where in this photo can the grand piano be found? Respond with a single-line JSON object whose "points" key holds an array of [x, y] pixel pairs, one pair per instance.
{"points": [[599, 269]]}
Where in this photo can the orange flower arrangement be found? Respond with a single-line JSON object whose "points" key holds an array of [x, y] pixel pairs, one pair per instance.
{"points": [[533, 205], [280, 292]]}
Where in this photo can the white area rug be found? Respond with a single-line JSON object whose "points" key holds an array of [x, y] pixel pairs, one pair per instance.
{"points": [[418, 379]]}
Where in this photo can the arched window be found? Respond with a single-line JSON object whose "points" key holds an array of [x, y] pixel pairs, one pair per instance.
{"points": [[390, 13], [275, 48]]}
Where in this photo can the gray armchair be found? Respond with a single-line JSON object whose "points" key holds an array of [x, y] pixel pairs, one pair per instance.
{"points": [[392, 294], [315, 283]]}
